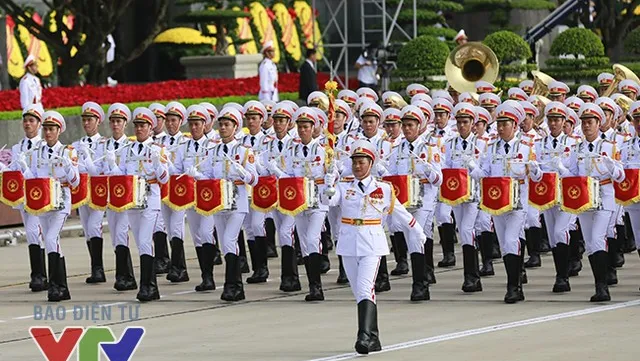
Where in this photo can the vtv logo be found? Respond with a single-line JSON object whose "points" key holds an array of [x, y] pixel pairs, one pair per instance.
{"points": [[89, 342]]}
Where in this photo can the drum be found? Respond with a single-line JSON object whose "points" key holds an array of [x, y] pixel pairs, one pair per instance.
{"points": [[408, 190], [12, 188], [214, 195], [43, 195], [627, 192], [265, 194], [297, 194], [580, 194], [127, 192], [458, 187], [182, 192], [499, 195]]}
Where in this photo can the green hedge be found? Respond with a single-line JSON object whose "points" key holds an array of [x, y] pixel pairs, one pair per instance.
{"points": [[423, 17], [578, 63], [423, 53], [488, 5], [447, 33], [577, 41], [508, 46], [632, 42]]}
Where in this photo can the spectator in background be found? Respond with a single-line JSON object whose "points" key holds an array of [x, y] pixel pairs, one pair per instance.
{"points": [[268, 72], [367, 69], [461, 38], [308, 82], [30, 86]]}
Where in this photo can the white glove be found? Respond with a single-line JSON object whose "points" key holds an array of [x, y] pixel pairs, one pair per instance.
{"points": [[155, 158], [193, 172], [534, 167], [110, 157], [380, 169], [556, 163], [428, 169], [609, 163], [274, 169], [66, 163], [83, 150], [22, 161], [469, 162], [330, 179], [2, 167], [239, 171]]}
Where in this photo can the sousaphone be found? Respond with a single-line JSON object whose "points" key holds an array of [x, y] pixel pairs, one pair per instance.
{"points": [[620, 73], [469, 63], [541, 83]]}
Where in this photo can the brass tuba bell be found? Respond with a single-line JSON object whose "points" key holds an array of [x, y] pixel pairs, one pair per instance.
{"points": [[620, 73], [541, 83], [624, 102], [469, 63]]}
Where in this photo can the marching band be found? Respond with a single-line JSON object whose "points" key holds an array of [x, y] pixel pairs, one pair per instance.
{"points": [[539, 167]]}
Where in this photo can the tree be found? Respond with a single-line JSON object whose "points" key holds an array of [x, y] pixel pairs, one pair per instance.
{"points": [[614, 19], [94, 21], [223, 19]]}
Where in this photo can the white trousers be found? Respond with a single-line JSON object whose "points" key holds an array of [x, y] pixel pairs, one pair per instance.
{"points": [[309, 225], [200, 227], [483, 222], [254, 224], [118, 228], [174, 222], [558, 225], [285, 226], [362, 272], [509, 227], [533, 218], [51, 224], [634, 215], [228, 225], [143, 223], [32, 228], [466, 214], [594, 230], [334, 216], [443, 214], [159, 226], [424, 217], [616, 219], [91, 222]]}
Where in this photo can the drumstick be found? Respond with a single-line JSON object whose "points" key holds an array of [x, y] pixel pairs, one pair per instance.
{"points": [[195, 165], [115, 151]]}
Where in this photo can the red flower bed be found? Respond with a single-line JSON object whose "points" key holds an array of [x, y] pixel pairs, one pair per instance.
{"points": [[167, 90]]}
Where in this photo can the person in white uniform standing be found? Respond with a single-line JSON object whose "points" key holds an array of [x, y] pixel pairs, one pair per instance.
{"points": [[365, 202], [268, 72], [30, 86]]}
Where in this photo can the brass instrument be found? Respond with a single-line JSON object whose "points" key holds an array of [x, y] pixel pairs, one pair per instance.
{"points": [[620, 73], [624, 102], [469, 63], [541, 83], [540, 102]]}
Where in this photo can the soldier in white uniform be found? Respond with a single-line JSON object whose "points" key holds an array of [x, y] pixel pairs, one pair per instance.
{"points": [[31, 120], [306, 158], [176, 117], [209, 132], [268, 73], [631, 160], [254, 224], [144, 159], [509, 156], [233, 162], [458, 149], [365, 202], [161, 248], [118, 115], [595, 158], [189, 156], [92, 116], [54, 160], [30, 87], [274, 147], [553, 153]]}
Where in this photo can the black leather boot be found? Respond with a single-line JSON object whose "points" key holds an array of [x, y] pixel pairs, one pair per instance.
{"points": [[620, 240], [296, 245], [420, 286], [312, 264], [270, 229], [544, 246], [429, 274], [612, 252], [599, 266], [38, 280], [368, 335], [561, 261], [289, 279], [523, 271], [532, 236], [495, 248], [259, 263], [471, 273], [629, 244], [43, 272], [53, 294], [233, 289], [178, 272], [242, 256], [206, 253], [325, 239], [148, 283], [162, 263], [342, 275], [125, 279], [575, 253], [512, 264], [97, 268], [382, 279], [63, 289], [486, 251], [400, 253], [447, 232], [217, 255]]}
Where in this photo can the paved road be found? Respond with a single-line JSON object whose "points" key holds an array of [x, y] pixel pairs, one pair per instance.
{"points": [[271, 325]]}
